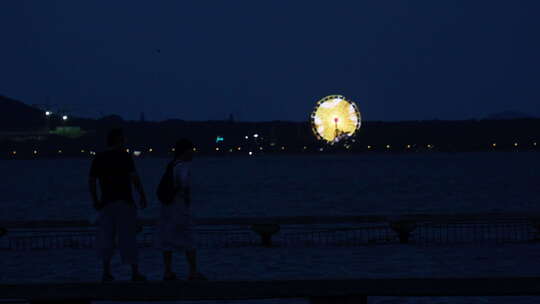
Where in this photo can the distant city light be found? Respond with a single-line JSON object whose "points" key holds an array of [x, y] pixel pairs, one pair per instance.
{"points": [[137, 153], [305, 147], [494, 145], [35, 151], [255, 135], [82, 151], [250, 153], [194, 149], [408, 146], [429, 146], [65, 117], [261, 148], [150, 150], [282, 147], [217, 148], [14, 152], [127, 150], [387, 146], [369, 147], [516, 144], [219, 139], [239, 148], [246, 137], [59, 151], [534, 143], [48, 113]]}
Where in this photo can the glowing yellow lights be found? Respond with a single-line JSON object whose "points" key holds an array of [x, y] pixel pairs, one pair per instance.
{"points": [[369, 147], [14, 152], [173, 149], [150, 150], [494, 145], [35, 152], [305, 148], [127, 150], [429, 146], [239, 148], [335, 118], [82, 151], [59, 151], [516, 144], [194, 149], [408, 146], [387, 146]]}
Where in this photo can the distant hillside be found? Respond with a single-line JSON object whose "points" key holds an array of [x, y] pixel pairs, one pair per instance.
{"points": [[509, 115], [17, 116]]}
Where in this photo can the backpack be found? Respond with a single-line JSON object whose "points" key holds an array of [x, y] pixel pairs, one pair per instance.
{"points": [[166, 189]]}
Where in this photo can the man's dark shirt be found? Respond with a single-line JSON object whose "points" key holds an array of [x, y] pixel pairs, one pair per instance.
{"points": [[113, 169]]}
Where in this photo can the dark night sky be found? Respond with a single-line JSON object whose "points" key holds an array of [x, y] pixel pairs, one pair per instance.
{"points": [[272, 60]]}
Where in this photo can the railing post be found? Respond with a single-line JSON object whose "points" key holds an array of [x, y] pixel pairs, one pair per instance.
{"points": [[403, 229], [339, 300], [266, 231]]}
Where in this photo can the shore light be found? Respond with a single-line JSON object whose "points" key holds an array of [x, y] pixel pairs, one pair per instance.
{"points": [[14, 152], [150, 150], [494, 145], [65, 117], [48, 113], [35, 151], [256, 135], [387, 146], [515, 144], [217, 148], [250, 153], [137, 153]]}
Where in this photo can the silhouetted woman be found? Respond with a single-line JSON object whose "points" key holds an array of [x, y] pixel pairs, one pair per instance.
{"points": [[175, 222]]}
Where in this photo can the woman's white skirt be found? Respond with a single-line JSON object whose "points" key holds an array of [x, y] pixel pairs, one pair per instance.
{"points": [[175, 227]]}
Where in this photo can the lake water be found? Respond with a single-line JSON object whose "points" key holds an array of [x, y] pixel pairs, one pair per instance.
{"points": [[297, 185]]}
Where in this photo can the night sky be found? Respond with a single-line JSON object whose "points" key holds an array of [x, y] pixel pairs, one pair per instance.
{"points": [[272, 60]]}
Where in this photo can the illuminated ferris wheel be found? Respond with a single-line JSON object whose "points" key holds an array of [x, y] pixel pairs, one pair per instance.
{"points": [[335, 119]]}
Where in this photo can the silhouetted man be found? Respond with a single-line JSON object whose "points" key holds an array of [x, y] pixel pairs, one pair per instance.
{"points": [[115, 170]]}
